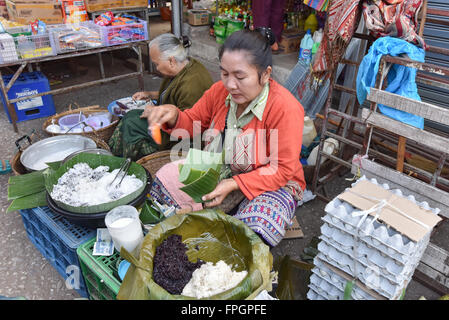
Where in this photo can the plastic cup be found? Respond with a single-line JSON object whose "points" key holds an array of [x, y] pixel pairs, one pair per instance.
{"points": [[124, 226]]}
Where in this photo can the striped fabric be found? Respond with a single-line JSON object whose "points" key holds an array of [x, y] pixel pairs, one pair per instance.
{"points": [[161, 194], [394, 18], [342, 20], [319, 5], [268, 214]]}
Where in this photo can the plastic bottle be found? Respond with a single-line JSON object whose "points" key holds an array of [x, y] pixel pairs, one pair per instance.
{"points": [[311, 23], [309, 131], [317, 37], [330, 145], [305, 49]]}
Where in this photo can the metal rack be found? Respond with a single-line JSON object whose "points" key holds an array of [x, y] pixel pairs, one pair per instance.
{"points": [[136, 46]]}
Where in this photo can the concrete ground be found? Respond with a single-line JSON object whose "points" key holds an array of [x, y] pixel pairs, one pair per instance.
{"points": [[24, 271]]}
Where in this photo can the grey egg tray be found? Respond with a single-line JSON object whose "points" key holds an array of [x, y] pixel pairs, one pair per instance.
{"points": [[374, 241], [325, 284], [385, 260], [368, 254]]}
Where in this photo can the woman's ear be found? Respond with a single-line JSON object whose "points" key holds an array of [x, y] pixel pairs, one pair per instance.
{"points": [[172, 61], [266, 75]]}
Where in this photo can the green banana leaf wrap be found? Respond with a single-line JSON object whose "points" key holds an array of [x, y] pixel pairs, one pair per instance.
{"points": [[51, 177], [210, 235]]}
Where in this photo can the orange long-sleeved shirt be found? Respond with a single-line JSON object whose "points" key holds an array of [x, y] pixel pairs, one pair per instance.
{"points": [[276, 162]]}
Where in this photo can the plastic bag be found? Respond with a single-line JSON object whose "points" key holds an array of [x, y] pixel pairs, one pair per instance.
{"points": [[294, 278], [74, 11], [211, 236], [401, 79]]}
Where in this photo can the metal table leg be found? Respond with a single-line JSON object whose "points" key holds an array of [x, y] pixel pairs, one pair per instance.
{"points": [[100, 59]]}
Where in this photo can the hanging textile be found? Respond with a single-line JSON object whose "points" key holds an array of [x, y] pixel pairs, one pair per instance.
{"points": [[394, 18], [319, 5], [342, 21]]}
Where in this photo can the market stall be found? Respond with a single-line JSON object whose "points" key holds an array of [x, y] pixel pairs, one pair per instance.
{"points": [[91, 214]]}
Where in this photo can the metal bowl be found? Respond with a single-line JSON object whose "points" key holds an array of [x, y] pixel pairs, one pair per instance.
{"points": [[53, 149], [88, 150]]}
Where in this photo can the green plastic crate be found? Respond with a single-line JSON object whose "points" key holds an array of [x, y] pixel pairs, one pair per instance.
{"points": [[100, 272]]}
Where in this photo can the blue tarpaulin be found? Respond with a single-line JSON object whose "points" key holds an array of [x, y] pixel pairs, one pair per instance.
{"points": [[401, 79]]}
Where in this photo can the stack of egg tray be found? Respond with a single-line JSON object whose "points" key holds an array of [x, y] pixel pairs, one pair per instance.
{"points": [[383, 258]]}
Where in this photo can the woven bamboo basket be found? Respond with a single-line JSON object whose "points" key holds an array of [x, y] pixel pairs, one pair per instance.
{"points": [[153, 162], [157, 160], [19, 169], [102, 134]]}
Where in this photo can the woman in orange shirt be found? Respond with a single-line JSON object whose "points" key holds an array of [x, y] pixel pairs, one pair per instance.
{"points": [[262, 125]]}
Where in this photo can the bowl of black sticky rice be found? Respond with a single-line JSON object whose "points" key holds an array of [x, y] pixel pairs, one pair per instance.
{"points": [[180, 246]]}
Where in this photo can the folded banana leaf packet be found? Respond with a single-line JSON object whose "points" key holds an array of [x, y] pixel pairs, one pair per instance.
{"points": [[200, 173], [210, 235]]}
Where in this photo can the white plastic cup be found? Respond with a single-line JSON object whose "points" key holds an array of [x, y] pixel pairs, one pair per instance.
{"points": [[124, 226]]}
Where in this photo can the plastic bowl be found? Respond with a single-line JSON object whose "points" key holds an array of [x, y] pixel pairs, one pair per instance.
{"points": [[97, 122], [70, 120]]}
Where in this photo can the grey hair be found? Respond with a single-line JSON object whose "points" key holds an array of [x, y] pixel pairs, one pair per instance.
{"points": [[170, 46]]}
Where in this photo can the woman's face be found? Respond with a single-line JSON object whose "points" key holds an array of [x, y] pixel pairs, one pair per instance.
{"points": [[240, 77], [165, 67]]}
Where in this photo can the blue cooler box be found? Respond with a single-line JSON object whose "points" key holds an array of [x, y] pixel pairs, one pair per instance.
{"points": [[27, 84]]}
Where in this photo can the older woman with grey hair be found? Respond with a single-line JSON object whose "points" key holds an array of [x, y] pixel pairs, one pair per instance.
{"points": [[184, 82]]}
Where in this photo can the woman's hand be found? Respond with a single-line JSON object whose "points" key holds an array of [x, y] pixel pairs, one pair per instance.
{"points": [[142, 95], [166, 113], [220, 192], [145, 95]]}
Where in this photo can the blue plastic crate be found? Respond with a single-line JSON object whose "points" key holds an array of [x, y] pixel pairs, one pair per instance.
{"points": [[29, 83], [57, 239]]}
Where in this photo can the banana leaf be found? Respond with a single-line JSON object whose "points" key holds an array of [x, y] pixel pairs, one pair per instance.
{"points": [[51, 177], [30, 201], [149, 215], [210, 235], [200, 173], [25, 185], [201, 186], [189, 176]]}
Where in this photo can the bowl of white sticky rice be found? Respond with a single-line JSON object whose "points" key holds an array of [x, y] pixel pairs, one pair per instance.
{"points": [[81, 191]]}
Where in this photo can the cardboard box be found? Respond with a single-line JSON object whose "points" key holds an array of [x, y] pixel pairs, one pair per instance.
{"points": [[135, 3], [294, 231], [113, 4], [415, 223], [102, 5], [198, 17], [291, 41], [24, 12], [94, 5]]}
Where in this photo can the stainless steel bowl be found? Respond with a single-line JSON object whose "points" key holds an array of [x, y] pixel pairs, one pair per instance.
{"points": [[53, 149], [89, 150]]}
